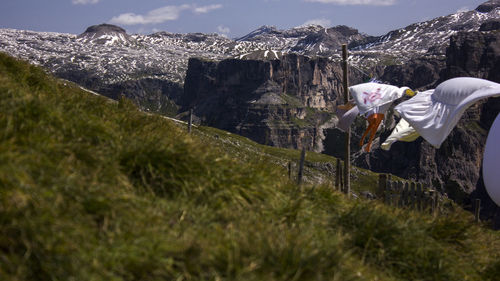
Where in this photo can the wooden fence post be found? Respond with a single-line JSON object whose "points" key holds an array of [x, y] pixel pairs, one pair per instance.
{"points": [[413, 196], [436, 202], [341, 177], [190, 122], [382, 181], [301, 165], [290, 170], [338, 175], [388, 185], [394, 190], [431, 198], [347, 158], [419, 197], [477, 209], [401, 194], [406, 195], [387, 192]]}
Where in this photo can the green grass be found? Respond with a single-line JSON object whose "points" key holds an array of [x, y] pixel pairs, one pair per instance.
{"points": [[319, 168], [95, 190]]}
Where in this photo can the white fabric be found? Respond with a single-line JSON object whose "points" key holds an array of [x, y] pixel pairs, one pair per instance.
{"points": [[346, 119], [402, 132], [491, 162], [434, 113], [379, 109], [369, 97]]}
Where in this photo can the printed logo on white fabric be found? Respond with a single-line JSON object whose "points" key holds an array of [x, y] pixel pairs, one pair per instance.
{"points": [[373, 96]]}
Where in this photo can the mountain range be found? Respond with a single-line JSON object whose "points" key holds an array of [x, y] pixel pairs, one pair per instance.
{"points": [[105, 56]]}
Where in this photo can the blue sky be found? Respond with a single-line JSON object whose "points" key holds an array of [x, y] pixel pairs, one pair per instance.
{"points": [[233, 18]]}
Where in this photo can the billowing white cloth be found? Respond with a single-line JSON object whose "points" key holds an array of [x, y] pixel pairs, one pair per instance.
{"points": [[491, 162], [402, 132], [370, 97], [346, 118], [434, 113]]}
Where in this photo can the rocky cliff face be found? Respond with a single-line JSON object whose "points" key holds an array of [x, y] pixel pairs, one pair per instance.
{"points": [[328, 41], [282, 102]]}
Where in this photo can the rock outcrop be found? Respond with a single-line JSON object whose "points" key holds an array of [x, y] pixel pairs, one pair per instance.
{"points": [[283, 103], [105, 34], [328, 40]]}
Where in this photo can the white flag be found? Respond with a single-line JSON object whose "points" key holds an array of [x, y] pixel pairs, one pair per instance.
{"points": [[371, 97]]}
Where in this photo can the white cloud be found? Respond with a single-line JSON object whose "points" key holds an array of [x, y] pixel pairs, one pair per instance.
{"points": [[161, 15], [223, 29], [206, 9], [357, 2], [463, 9], [85, 2], [322, 22]]}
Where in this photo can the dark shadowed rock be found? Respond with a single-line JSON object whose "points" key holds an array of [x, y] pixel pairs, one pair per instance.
{"points": [[490, 25], [475, 54], [418, 74], [104, 28], [488, 6]]}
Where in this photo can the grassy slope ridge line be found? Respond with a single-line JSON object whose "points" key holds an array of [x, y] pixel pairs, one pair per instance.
{"points": [[92, 190]]}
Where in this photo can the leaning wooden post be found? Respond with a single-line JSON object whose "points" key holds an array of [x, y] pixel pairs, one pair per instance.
{"points": [[190, 123], [347, 158], [477, 208], [290, 170], [341, 178], [301, 165]]}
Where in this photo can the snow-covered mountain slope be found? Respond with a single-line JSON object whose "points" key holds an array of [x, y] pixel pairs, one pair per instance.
{"points": [[115, 56], [269, 37], [108, 54], [328, 41], [430, 37]]}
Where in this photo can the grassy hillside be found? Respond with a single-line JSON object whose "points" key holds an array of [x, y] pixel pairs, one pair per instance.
{"points": [[96, 190]]}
